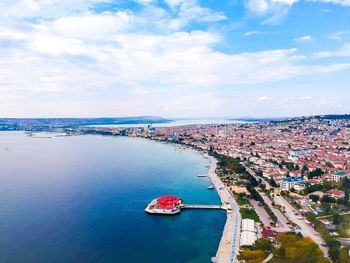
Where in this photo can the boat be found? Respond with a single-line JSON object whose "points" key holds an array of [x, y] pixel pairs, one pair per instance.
{"points": [[210, 187], [202, 175]]}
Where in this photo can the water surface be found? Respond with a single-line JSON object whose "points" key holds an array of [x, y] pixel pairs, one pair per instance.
{"points": [[82, 199]]}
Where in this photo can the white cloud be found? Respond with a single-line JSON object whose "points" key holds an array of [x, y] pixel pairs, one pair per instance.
{"points": [[337, 2], [306, 98], [262, 98], [342, 52], [305, 38], [76, 61], [254, 32], [145, 2], [274, 10], [341, 35], [93, 26], [44, 8], [140, 92]]}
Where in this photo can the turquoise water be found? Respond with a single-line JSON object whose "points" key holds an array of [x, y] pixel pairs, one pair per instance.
{"points": [[82, 199]]}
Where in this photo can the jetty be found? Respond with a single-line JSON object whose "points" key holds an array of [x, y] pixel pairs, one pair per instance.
{"points": [[172, 205], [198, 206]]}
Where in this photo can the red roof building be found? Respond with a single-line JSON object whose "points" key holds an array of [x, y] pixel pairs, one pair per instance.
{"points": [[168, 202], [336, 193], [267, 232]]}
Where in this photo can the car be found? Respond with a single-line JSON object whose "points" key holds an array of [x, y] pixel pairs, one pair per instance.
{"points": [[299, 217], [324, 244]]}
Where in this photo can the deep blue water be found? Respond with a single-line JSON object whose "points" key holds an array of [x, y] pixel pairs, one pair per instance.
{"points": [[82, 199]]}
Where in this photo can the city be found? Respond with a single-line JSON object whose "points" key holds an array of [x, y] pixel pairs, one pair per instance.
{"points": [[174, 131], [300, 168]]}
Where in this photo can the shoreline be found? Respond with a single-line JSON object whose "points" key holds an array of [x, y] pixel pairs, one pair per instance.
{"points": [[228, 247], [230, 239], [229, 243]]}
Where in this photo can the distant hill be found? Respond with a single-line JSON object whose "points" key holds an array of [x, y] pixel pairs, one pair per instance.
{"points": [[50, 123]]}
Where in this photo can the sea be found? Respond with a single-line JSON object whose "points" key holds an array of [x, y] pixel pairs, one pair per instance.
{"points": [[176, 122], [82, 199]]}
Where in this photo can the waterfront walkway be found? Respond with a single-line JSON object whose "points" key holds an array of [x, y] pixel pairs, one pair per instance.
{"points": [[229, 244]]}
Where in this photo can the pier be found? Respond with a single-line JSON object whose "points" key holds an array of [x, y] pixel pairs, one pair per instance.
{"points": [[199, 206], [171, 205]]}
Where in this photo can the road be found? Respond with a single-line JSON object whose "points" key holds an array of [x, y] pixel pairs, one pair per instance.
{"points": [[305, 229], [229, 244], [281, 219], [263, 215]]}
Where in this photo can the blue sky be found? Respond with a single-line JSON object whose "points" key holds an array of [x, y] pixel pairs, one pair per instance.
{"points": [[174, 58]]}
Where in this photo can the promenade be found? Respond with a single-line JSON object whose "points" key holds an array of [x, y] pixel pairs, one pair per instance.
{"points": [[229, 244]]}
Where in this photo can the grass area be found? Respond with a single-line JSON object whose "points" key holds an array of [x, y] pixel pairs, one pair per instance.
{"points": [[242, 201], [247, 213], [270, 213]]}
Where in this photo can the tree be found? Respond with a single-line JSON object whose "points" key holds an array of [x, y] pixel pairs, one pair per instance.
{"points": [[334, 247], [315, 173], [264, 244], [336, 219], [328, 199], [304, 170], [314, 198], [252, 255], [343, 256], [310, 217], [273, 182]]}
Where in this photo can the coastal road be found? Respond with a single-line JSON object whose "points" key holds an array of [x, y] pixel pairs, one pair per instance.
{"points": [[305, 229], [281, 219], [229, 244]]}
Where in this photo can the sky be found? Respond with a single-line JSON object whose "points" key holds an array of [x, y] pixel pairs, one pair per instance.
{"points": [[174, 58]]}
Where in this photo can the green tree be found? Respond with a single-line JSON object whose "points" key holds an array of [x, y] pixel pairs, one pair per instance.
{"points": [[314, 198], [336, 219]]}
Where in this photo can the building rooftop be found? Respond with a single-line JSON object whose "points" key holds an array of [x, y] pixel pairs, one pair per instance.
{"points": [[340, 173], [293, 180]]}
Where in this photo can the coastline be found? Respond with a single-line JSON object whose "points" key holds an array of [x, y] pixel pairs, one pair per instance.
{"points": [[229, 243], [230, 239]]}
